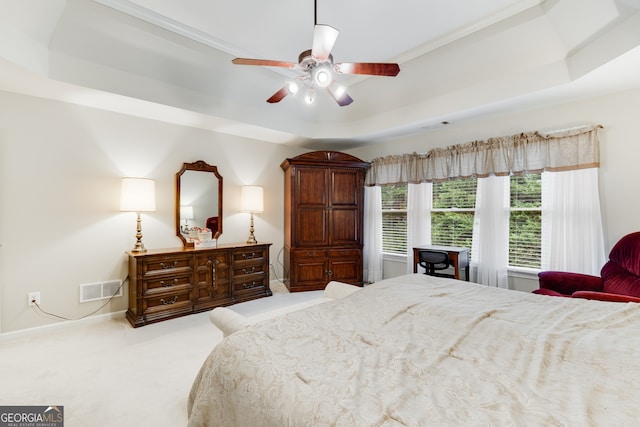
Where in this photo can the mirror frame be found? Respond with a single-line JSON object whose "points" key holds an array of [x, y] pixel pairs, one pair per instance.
{"points": [[199, 166]]}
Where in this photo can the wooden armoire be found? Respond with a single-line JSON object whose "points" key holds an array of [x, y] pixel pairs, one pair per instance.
{"points": [[323, 213]]}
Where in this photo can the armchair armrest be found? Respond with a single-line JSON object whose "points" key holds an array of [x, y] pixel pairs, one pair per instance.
{"points": [[567, 283], [605, 296]]}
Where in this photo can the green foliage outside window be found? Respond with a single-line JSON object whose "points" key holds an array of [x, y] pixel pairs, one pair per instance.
{"points": [[394, 218], [525, 221], [452, 212]]}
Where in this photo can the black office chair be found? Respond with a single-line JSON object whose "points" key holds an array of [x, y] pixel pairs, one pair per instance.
{"points": [[433, 261]]}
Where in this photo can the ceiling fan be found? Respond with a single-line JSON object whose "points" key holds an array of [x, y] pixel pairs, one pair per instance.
{"points": [[318, 69]]}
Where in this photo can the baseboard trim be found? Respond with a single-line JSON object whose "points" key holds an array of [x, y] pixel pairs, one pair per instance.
{"points": [[24, 333]]}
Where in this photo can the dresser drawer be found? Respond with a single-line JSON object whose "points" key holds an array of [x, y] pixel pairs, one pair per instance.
{"points": [[250, 287], [348, 253], [249, 268], [250, 282], [168, 301], [167, 265], [310, 254], [249, 256], [173, 283]]}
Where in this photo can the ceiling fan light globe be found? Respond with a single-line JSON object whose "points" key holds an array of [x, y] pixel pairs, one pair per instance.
{"points": [[322, 77], [310, 96], [292, 87]]}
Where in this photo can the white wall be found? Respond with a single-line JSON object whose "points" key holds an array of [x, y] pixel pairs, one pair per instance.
{"points": [[619, 153], [60, 224]]}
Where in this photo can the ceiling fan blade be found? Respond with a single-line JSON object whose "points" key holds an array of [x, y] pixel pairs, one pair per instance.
{"points": [[264, 62], [370, 68], [324, 37], [338, 93], [278, 96]]}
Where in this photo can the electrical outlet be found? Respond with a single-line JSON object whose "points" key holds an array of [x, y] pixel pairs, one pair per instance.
{"points": [[33, 298]]}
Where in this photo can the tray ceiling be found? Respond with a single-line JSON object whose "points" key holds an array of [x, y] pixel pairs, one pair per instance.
{"points": [[459, 60]]}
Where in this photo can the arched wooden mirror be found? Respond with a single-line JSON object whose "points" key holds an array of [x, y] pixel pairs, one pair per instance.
{"points": [[198, 200]]}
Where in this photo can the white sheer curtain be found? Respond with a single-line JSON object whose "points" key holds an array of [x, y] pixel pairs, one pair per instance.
{"points": [[490, 247], [372, 239], [572, 236], [418, 218]]}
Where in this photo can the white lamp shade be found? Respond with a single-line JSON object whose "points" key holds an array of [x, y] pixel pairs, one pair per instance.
{"points": [[186, 212], [251, 199], [138, 195]]}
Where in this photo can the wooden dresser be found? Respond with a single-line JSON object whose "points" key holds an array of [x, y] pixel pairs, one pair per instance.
{"points": [[323, 213], [168, 283]]}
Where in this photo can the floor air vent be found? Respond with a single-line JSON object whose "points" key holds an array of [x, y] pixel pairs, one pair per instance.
{"points": [[100, 290]]}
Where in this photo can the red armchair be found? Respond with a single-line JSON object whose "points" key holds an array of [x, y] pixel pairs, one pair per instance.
{"points": [[619, 281]]}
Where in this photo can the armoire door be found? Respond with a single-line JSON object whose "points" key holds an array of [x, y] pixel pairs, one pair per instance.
{"points": [[311, 201], [344, 206]]}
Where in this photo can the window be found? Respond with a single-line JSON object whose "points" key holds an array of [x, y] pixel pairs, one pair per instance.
{"points": [[394, 218], [452, 212], [452, 215], [525, 221]]}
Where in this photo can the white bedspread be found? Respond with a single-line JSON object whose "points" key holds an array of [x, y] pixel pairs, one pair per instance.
{"points": [[425, 351]]}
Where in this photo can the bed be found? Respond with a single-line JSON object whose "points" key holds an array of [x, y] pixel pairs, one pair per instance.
{"points": [[426, 351]]}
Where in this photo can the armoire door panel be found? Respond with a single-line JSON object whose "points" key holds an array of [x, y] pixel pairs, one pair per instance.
{"points": [[344, 227], [346, 265], [310, 272], [311, 227], [346, 187], [346, 271], [311, 187]]}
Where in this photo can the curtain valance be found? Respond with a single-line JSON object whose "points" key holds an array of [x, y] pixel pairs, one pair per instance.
{"points": [[571, 149]]}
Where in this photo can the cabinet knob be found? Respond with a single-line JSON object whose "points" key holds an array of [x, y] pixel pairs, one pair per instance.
{"points": [[169, 302]]}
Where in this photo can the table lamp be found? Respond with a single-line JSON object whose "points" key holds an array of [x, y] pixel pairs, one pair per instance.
{"points": [[251, 199], [138, 195]]}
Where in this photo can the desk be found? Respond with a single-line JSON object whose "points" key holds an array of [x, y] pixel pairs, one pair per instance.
{"points": [[459, 258]]}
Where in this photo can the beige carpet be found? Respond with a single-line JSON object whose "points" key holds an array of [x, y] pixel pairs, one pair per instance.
{"points": [[110, 374]]}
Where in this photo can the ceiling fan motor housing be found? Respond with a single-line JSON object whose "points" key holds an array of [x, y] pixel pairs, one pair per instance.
{"points": [[320, 72]]}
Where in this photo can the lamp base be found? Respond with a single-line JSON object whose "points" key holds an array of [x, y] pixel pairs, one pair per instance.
{"points": [[252, 238], [138, 248]]}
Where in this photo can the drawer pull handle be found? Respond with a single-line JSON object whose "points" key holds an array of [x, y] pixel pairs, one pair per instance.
{"points": [[211, 263], [169, 284], [250, 285], [213, 274], [252, 255], [248, 270], [169, 302], [166, 266]]}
